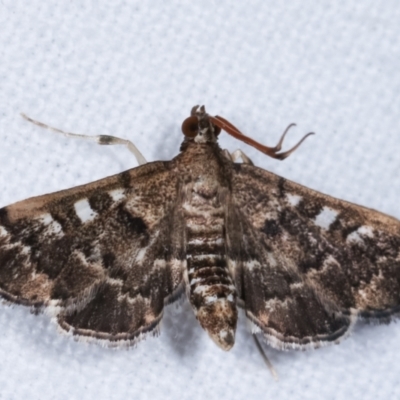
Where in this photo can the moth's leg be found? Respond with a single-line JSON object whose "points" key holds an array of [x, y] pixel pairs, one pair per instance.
{"points": [[226, 153], [236, 155], [264, 356], [99, 139], [239, 154]]}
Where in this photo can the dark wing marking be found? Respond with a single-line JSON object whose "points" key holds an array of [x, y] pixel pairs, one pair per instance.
{"points": [[101, 255], [308, 262]]}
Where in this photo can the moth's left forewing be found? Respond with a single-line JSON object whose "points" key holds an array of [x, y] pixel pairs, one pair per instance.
{"points": [[100, 254], [308, 262]]}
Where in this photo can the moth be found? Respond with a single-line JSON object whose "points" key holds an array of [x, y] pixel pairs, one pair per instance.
{"points": [[106, 257]]}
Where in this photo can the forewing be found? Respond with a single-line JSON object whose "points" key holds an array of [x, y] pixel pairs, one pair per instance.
{"points": [[101, 255], [309, 262]]}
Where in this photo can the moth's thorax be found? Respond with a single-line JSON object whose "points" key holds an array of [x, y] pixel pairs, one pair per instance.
{"points": [[202, 161], [209, 285]]}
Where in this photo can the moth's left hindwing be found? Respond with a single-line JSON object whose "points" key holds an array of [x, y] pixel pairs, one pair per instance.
{"points": [[305, 263], [101, 255]]}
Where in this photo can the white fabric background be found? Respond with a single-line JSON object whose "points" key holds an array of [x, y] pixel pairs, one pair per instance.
{"points": [[134, 69]]}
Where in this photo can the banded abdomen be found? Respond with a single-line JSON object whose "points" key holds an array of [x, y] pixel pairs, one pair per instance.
{"points": [[210, 288]]}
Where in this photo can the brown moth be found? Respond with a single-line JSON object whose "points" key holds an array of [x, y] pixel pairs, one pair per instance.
{"points": [[106, 257]]}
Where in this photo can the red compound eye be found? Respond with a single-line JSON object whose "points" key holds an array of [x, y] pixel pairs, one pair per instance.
{"points": [[190, 127]]}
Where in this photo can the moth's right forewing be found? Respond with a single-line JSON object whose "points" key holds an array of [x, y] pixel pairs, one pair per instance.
{"points": [[309, 263]]}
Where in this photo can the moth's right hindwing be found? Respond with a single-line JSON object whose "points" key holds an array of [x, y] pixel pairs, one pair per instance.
{"points": [[101, 255]]}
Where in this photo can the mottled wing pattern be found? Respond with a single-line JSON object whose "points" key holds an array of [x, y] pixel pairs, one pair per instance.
{"points": [[101, 256], [306, 263]]}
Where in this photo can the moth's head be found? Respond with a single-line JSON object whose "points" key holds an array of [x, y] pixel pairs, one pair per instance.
{"points": [[199, 128]]}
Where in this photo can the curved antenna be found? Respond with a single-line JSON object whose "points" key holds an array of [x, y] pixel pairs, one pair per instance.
{"points": [[269, 151]]}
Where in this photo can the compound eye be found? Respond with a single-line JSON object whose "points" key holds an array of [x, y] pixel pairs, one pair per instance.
{"points": [[217, 130], [190, 127]]}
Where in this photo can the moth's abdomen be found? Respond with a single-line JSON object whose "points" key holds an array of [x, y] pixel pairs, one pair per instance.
{"points": [[210, 287]]}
